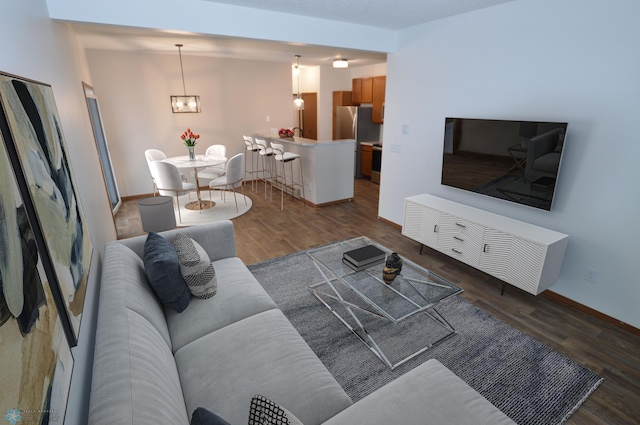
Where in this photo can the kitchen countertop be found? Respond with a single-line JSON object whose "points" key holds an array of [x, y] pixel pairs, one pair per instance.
{"points": [[376, 144], [301, 141]]}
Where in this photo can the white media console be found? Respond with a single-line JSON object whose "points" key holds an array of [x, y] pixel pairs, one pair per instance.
{"points": [[518, 253]]}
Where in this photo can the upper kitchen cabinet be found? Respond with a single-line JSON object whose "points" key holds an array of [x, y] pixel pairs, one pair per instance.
{"points": [[362, 90], [356, 91], [379, 86], [367, 90], [370, 90]]}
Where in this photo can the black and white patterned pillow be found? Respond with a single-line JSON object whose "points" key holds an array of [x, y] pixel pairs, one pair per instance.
{"points": [[265, 412], [195, 266]]}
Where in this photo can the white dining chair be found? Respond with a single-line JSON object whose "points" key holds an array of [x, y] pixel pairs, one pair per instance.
{"points": [[156, 155], [210, 173], [169, 182], [232, 179]]}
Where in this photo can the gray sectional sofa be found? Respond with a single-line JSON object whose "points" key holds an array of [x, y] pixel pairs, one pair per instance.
{"points": [[155, 366]]}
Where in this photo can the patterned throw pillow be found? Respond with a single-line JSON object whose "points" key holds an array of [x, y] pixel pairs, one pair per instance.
{"points": [[195, 266], [265, 412]]}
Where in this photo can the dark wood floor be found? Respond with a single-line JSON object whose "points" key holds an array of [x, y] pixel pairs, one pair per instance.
{"points": [[612, 352]]}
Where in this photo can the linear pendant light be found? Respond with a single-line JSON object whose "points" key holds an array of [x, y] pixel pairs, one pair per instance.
{"points": [[298, 102], [185, 102]]}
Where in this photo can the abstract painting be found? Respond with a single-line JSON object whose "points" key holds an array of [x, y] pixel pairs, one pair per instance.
{"points": [[35, 358], [36, 149]]}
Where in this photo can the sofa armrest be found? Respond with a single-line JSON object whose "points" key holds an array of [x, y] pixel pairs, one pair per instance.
{"points": [[430, 394], [216, 238]]}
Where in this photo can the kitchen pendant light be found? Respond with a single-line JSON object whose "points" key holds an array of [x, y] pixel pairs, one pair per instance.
{"points": [[185, 102], [341, 63], [298, 102]]}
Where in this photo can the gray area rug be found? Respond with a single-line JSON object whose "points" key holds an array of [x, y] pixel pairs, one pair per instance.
{"points": [[528, 381]]}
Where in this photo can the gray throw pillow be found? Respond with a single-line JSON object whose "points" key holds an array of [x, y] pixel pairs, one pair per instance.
{"points": [[195, 266], [266, 412], [163, 271], [202, 416]]}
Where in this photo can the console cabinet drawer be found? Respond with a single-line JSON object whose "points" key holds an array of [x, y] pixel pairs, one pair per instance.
{"points": [[460, 238]]}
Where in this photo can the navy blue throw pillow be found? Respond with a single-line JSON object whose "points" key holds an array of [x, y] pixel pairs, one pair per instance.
{"points": [[202, 416], [162, 266]]}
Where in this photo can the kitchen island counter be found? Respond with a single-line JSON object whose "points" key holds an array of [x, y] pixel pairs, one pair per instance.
{"points": [[328, 167]]}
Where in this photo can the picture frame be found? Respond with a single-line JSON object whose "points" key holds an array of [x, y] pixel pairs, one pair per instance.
{"points": [[35, 146], [36, 362]]}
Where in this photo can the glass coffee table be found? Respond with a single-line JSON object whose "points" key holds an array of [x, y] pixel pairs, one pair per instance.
{"points": [[397, 321]]}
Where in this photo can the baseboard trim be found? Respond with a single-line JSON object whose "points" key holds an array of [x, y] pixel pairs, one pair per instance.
{"points": [[595, 313], [134, 197], [390, 223]]}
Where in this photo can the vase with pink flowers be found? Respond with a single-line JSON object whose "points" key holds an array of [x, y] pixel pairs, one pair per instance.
{"points": [[190, 139]]}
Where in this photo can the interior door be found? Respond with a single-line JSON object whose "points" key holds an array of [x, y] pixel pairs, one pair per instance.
{"points": [[309, 116]]}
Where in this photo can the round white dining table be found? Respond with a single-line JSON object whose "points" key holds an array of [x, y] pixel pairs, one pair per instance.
{"points": [[201, 161]]}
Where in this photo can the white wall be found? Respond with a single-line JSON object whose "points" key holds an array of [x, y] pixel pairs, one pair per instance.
{"points": [[37, 48], [134, 88], [551, 60]]}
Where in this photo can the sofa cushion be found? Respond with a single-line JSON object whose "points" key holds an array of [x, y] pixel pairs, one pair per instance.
{"points": [[262, 354], [125, 284], [202, 416], [163, 270], [196, 268], [239, 295], [266, 412], [135, 378], [430, 394]]}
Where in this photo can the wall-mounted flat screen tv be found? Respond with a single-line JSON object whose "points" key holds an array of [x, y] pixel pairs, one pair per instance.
{"points": [[517, 161]]}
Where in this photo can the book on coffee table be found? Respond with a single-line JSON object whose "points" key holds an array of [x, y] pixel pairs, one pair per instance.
{"points": [[367, 255], [362, 267]]}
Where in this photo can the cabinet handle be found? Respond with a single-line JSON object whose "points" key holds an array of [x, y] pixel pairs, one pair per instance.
{"points": [[484, 248], [435, 228], [458, 238], [456, 251], [461, 225]]}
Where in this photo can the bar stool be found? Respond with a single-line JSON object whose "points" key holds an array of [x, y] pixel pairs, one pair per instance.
{"points": [[283, 157], [266, 152], [252, 151]]}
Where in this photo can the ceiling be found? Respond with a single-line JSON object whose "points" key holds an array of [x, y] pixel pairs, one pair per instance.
{"points": [[387, 14]]}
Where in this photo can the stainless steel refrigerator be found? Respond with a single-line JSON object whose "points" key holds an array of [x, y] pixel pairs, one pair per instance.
{"points": [[354, 122]]}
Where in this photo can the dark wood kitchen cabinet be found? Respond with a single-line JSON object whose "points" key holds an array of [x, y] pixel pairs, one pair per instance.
{"points": [[366, 160], [379, 86], [362, 90], [356, 91], [367, 90]]}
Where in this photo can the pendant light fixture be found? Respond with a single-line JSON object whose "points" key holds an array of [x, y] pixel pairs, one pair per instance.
{"points": [[185, 102], [298, 102]]}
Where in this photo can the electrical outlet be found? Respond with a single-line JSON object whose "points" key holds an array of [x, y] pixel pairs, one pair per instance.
{"points": [[396, 148], [591, 275], [268, 118]]}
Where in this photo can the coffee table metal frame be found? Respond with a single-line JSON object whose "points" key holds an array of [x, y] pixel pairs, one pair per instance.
{"points": [[371, 307]]}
